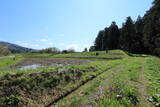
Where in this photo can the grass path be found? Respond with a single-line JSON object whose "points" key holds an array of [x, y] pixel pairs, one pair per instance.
{"points": [[142, 87], [129, 82], [100, 91], [90, 91]]}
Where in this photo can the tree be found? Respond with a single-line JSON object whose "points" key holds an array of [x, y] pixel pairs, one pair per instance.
{"points": [[4, 51], [128, 38], [50, 50], [105, 38], [113, 36], [152, 28], [65, 51], [99, 42], [55, 50], [71, 50], [142, 36], [139, 44], [85, 50], [92, 48]]}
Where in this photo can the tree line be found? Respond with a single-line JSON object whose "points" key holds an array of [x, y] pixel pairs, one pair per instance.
{"points": [[140, 37], [4, 51]]}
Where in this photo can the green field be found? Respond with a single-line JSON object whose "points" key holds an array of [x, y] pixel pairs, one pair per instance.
{"points": [[108, 80]]}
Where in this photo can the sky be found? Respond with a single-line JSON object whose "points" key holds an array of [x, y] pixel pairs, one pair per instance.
{"points": [[63, 24]]}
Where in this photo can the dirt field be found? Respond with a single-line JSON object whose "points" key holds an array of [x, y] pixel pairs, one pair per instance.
{"points": [[48, 62]]}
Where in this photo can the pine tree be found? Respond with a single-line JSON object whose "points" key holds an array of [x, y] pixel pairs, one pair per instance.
{"points": [[152, 28], [128, 38], [99, 42], [113, 36], [139, 45], [106, 38]]}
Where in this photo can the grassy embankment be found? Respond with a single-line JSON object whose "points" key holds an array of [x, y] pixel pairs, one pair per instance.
{"points": [[131, 81], [135, 84], [5, 62], [81, 55], [46, 84]]}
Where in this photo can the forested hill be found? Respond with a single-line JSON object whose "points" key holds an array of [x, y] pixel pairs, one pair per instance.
{"points": [[140, 36], [15, 48]]}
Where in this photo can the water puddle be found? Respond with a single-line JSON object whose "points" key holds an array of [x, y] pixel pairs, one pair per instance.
{"points": [[34, 66]]}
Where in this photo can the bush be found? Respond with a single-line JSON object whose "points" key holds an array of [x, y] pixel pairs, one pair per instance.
{"points": [[71, 51], [52, 83], [4, 51], [12, 101], [67, 78]]}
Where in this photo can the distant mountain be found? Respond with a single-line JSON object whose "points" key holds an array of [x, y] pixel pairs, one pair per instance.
{"points": [[15, 48]]}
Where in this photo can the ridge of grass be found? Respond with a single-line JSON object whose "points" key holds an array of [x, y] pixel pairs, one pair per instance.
{"points": [[26, 88], [80, 96], [153, 75], [121, 91]]}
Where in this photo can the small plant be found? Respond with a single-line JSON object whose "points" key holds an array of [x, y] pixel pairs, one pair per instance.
{"points": [[67, 78], [12, 101], [52, 83], [97, 53]]}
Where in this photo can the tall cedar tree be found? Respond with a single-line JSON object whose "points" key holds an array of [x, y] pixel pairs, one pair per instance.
{"points": [[113, 36], [128, 36], [139, 45], [99, 42], [152, 29], [105, 38], [143, 36]]}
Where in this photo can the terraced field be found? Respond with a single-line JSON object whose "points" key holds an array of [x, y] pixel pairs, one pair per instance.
{"points": [[107, 80]]}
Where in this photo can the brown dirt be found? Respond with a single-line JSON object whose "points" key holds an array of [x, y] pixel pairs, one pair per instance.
{"points": [[48, 62]]}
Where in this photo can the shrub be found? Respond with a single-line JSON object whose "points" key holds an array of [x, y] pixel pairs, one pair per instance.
{"points": [[4, 51], [12, 101], [52, 83], [67, 78]]}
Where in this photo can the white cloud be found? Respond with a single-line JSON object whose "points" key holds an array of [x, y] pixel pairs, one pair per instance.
{"points": [[20, 41], [86, 45], [43, 40], [28, 45]]}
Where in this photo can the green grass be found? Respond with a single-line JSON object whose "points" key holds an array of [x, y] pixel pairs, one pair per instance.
{"points": [[6, 62], [153, 75], [38, 87], [37, 83], [123, 85], [80, 96], [83, 55], [115, 53]]}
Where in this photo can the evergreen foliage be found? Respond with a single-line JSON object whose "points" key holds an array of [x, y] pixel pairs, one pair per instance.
{"points": [[140, 36]]}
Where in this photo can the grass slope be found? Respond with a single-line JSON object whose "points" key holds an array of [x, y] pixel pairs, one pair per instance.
{"points": [[131, 81]]}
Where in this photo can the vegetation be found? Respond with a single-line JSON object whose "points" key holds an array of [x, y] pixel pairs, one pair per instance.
{"points": [[121, 82], [109, 77], [4, 51], [15, 48], [48, 82], [140, 37]]}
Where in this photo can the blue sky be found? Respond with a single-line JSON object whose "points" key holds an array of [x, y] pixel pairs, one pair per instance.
{"points": [[63, 23]]}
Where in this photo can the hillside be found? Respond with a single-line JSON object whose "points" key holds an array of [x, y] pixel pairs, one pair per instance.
{"points": [[15, 48], [116, 80]]}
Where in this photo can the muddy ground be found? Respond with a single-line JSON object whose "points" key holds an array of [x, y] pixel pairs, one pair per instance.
{"points": [[48, 62]]}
